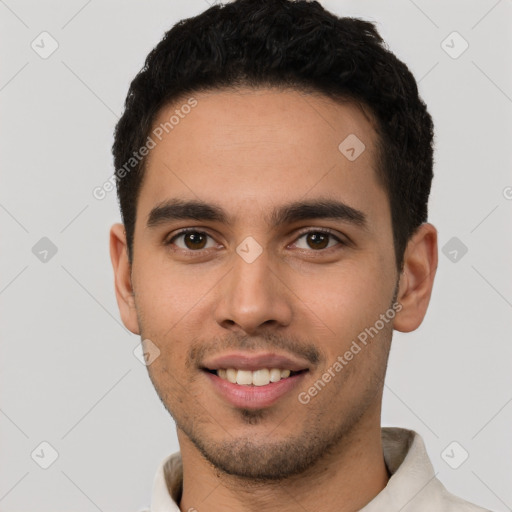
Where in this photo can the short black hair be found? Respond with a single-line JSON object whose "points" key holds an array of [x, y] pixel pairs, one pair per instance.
{"points": [[287, 44]]}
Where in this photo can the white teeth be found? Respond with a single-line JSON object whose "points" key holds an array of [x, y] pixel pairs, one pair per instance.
{"points": [[260, 377], [275, 375], [244, 377]]}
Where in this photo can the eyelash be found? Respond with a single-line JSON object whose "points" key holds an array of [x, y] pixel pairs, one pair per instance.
{"points": [[300, 235]]}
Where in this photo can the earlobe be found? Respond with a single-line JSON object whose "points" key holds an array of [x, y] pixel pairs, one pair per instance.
{"points": [[122, 278], [417, 278]]}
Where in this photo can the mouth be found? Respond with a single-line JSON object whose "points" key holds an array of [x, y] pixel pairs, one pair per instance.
{"points": [[253, 381], [261, 377]]}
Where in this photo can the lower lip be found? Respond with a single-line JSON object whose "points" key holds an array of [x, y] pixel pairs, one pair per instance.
{"points": [[254, 397]]}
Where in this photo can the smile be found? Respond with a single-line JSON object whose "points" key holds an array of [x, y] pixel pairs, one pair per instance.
{"points": [[261, 377]]}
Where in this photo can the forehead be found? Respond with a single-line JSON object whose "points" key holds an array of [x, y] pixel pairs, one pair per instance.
{"points": [[254, 148]]}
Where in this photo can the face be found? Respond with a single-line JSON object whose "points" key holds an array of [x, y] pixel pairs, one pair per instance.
{"points": [[286, 265]]}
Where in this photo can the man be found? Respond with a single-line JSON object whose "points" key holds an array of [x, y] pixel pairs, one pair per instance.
{"points": [[274, 164]]}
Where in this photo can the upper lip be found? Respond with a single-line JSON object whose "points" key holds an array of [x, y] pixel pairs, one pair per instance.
{"points": [[254, 361]]}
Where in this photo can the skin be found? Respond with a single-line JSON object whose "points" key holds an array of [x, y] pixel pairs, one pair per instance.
{"points": [[249, 151]]}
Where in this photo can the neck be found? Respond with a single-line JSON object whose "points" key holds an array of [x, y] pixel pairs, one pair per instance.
{"points": [[345, 479]]}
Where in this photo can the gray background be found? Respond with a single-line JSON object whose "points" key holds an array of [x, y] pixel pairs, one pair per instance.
{"points": [[68, 375]]}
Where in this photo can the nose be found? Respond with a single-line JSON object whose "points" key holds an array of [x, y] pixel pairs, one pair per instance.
{"points": [[252, 296]]}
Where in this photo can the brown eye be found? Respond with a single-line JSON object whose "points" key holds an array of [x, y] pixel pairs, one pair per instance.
{"points": [[190, 240], [194, 240], [317, 240]]}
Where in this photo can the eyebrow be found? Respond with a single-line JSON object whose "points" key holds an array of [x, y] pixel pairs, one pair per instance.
{"points": [[178, 209]]}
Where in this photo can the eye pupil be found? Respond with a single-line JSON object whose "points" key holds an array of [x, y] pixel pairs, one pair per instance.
{"points": [[197, 240], [319, 240]]}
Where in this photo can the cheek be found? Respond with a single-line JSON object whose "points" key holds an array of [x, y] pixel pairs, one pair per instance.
{"points": [[346, 298], [171, 304], [167, 296]]}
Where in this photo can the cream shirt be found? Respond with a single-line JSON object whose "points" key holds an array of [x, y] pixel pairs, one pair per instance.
{"points": [[413, 486]]}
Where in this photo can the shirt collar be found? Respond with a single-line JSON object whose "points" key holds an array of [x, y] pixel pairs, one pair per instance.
{"points": [[413, 483]]}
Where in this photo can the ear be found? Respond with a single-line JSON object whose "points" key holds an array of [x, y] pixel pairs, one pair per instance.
{"points": [[417, 278], [122, 278]]}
